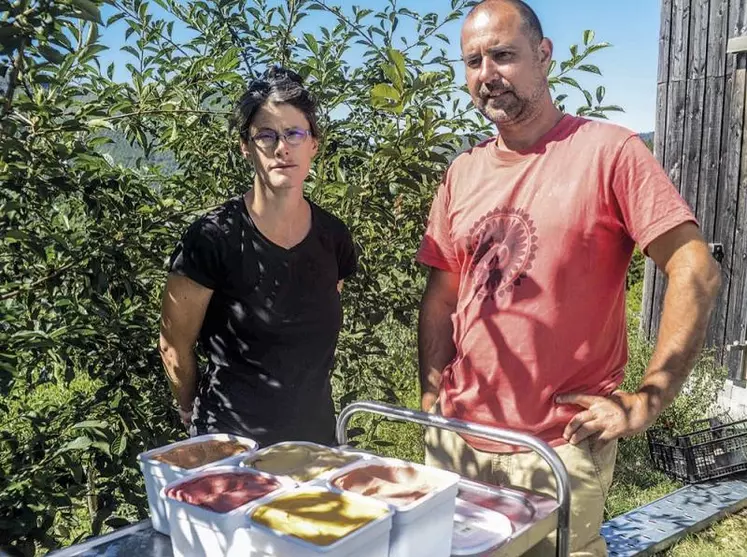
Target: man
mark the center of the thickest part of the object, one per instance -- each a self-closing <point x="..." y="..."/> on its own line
<point x="522" y="323"/>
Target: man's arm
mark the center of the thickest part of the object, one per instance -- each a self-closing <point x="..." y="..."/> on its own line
<point x="694" y="280"/>
<point x="435" y="332"/>
<point x="182" y="312"/>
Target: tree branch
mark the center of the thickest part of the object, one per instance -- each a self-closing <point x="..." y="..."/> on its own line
<point x="163" y="36"/>
<point x="286" y="35"/>
<point x="238" y="42"/>
<point x="125" y="11"/>
<point x="338" y="13"/>
<point x="161" y="111"/>
<point x="142" y="113"/>
<point x="38" y="282"/>
<point x="13" y="80"/>
<point x="27" y="88"/>
<point x="435" y="29"/>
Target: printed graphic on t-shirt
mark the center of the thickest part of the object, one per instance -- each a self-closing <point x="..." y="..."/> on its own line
<point x="502" y="246"/>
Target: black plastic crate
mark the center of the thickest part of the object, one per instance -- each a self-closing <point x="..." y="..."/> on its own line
<point x="719" y="450"/>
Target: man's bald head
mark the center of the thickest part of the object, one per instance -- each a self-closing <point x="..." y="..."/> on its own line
<point x="506" y="60"/>
<point x="530" y="22"/>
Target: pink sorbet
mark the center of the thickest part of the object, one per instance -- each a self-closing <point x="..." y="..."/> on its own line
<point x="398" y="485"/>
<point x="223" y="492"/>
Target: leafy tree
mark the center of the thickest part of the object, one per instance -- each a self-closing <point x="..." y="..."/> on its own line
<point x="84" y="238"/>
<point x="593" y="106"/>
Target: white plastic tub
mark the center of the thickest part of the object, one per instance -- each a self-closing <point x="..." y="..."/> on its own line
<point x="158" y="474"/>
<point x="477" y="530"/>
<point x="424" y="527"/>
<point x="291" y="472"/>
<point x="201" y="532"/>
<point x="370" y="540"/>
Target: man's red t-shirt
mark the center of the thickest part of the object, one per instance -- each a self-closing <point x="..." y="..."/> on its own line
<point x="542" y="241"/>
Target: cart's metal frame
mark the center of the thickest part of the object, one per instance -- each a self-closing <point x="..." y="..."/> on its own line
<point x="491" y="433"/>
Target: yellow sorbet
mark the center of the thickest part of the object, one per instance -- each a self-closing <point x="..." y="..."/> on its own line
<point x="300" y="462"/>
<point x="318" y="517"/>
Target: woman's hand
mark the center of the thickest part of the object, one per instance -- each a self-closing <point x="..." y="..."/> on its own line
<point x="185" y="415"/>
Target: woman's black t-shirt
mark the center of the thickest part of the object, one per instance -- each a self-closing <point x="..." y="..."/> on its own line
<point x="271" y="327"/>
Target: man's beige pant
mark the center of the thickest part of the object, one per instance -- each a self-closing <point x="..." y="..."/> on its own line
<point x="590" y="469"/>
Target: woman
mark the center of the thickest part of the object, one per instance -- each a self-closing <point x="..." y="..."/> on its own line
<point x="258" y="282"/>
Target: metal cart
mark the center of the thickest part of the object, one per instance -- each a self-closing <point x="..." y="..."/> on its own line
<point x="533" y="516"/>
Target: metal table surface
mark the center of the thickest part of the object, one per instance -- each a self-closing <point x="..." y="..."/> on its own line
<point x="643" y="531"/>
<point x="138" y="540"/>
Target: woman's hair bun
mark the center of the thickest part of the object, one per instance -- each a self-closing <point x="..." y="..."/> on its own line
<point x="278" y="73"/>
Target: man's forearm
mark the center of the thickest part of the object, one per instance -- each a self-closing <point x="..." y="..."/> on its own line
<point x="688" y="303"/>
<point x="435" y="347"/>
<point x="181" y="371"/>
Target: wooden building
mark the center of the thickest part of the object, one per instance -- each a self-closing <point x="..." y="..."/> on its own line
<point x="701" y="139"/>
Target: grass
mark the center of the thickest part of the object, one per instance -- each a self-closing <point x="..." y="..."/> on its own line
<point x="727" y="538"/>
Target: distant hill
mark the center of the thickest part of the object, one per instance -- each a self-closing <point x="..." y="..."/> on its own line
<point x="647" y="137"/>
<point x="121" y="152"/>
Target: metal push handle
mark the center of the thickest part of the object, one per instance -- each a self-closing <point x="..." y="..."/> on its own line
<point x="477" y="430"/>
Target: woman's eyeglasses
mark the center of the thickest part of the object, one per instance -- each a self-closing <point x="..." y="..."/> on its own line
<point x="268" y="139"/>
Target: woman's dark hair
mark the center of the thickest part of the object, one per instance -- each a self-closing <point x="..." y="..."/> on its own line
<point x="277" y="85"/>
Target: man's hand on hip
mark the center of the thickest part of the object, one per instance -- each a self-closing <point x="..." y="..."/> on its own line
<point x="606" y="418"/>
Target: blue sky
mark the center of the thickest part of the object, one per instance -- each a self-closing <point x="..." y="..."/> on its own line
<point x="629" y="68"/>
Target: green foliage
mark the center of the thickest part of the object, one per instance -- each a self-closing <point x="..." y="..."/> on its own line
<point x="84" y="237"/>
<point x="399" y="365"/>
<point x="636" y="270"/>
<point x="594" y="104"/>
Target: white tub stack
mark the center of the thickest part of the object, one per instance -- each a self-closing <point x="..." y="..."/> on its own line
<point x="197" y="531"/>
<point x="420" y="525"/>
<point x="421" y="528"/>
<point x="158" y="474"/>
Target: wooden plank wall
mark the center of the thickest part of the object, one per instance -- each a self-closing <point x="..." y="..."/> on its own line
<point x="713" y="125"/>
<point x="701" y="141"/>
<point x="662" y="82"/>
<point x="735" y="189"/>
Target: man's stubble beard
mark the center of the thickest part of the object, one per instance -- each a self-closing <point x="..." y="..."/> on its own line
<point x="517" y="112"/>
<point x="505" y="112"/>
